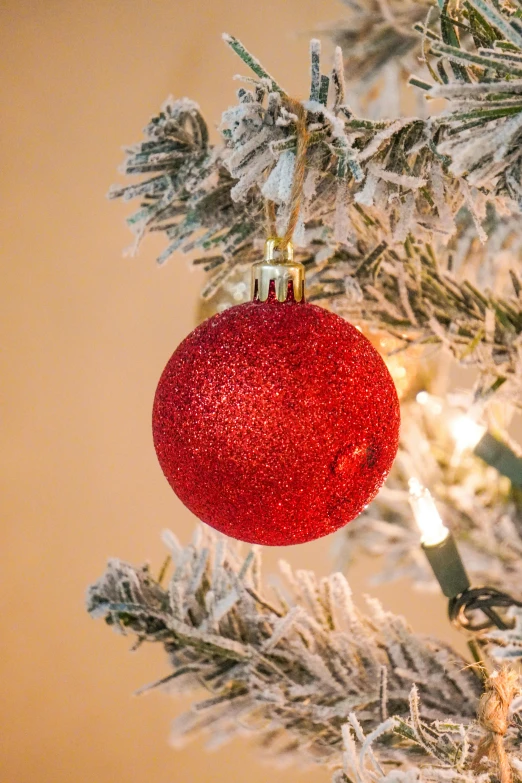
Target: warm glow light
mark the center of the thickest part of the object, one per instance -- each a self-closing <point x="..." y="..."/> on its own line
<point x="428" y="401"/>
<point x="465" y="432"/>
<point x="464" y="429"/>
<point x="433" y="529"/>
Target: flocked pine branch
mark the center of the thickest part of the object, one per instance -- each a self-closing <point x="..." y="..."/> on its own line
<point x="291" y="666"/>
<point x="507" y="645"/>
<point x="407" y="294"/>
<point x="392" y="208"/>
<point x="381" y="49"/>
<point x="447" y="745"/>
<point x="456" y="753"/>
<point x="304" y="671"/>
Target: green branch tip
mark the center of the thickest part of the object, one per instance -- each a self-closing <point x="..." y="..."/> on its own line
<point x="252" y="62"/>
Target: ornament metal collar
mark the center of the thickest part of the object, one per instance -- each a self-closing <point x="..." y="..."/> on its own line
<point x="279" y="268"/>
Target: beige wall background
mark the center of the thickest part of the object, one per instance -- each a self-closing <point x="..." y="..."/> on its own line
<point x="85" y="335"/>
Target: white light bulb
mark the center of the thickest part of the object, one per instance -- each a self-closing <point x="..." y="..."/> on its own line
<point x="465" y="432"/>
<point x="432" y="528"/>
<point x="428" y="401"/>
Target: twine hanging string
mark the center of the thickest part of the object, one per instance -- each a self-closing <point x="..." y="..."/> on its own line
<point x="296" y="193"/>
<point x="270" y="212"/>
<point x="493" y="716"/>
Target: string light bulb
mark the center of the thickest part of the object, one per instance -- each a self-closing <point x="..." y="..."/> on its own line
<point x="430" y="402"/>
<point x="471" y="437"/>
<point x="432" y="528"/>
<point x="466" y="432"/>
<point x="437" y="542"/>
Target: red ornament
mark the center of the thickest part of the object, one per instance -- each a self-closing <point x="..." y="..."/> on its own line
<point x="276" y="422"/>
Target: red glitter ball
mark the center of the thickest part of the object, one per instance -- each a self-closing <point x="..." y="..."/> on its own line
<point x="276" y="422"/>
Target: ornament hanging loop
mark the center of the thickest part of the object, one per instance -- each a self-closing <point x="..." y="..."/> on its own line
<point x="278" y="276"/>
<point x="296" y="195"/>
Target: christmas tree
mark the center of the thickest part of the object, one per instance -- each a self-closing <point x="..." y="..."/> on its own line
<point x="410" y="228"/>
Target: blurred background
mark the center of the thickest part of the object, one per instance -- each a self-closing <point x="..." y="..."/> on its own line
<point x="85" y="335"/>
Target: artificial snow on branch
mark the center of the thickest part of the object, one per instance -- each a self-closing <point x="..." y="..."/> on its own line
<point x="381" y="49"/>
<point x="298" y="662"/>
<point x="406" y="293"/>
<point x="303" y="670"/>
<point x="507" y="645"/>
<point x="402" y="221"/>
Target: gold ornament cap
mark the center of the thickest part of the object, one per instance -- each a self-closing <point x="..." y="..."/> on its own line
<point x="287" y="275"/>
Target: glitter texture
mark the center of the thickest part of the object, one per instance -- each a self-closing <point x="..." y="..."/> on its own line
<point x="276" y="423"/>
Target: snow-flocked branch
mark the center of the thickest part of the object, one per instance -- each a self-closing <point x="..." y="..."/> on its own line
<point x="402" y="221"/>
<point x="302" y="669"/>
<point x="291" y="666"/>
